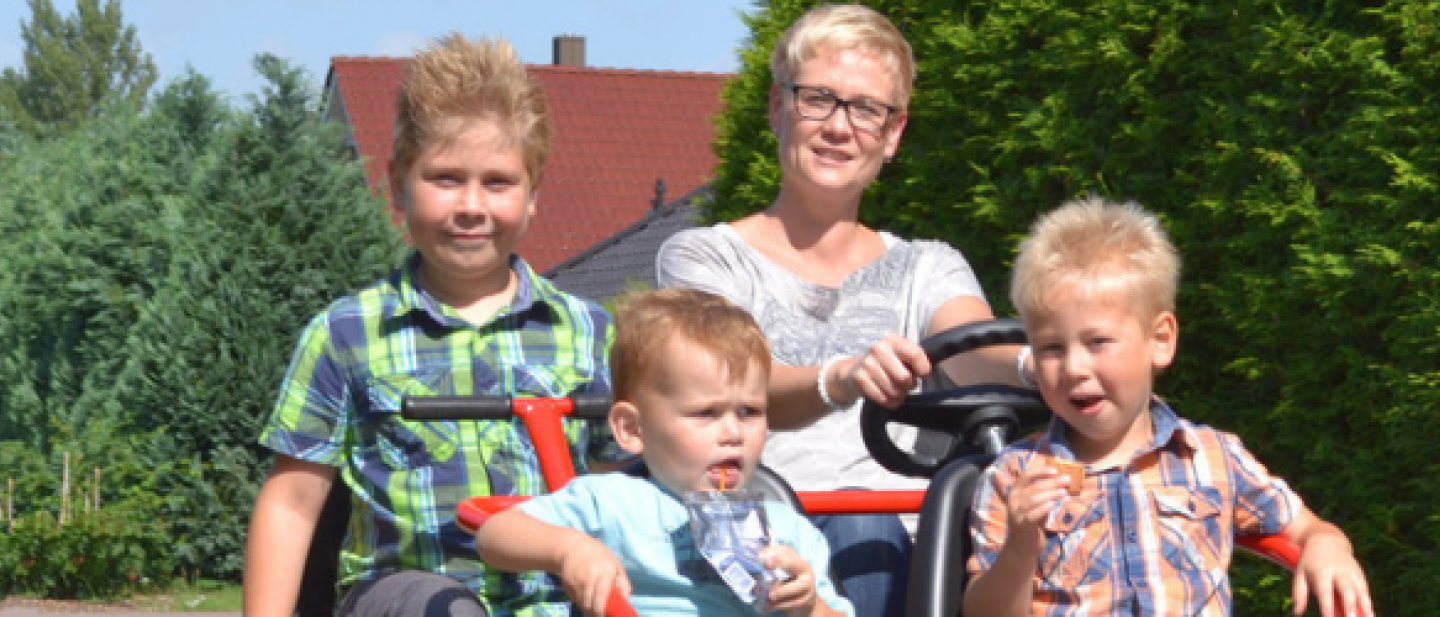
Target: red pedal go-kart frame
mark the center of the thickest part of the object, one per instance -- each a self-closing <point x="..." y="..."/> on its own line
<point x="982" y="420"/>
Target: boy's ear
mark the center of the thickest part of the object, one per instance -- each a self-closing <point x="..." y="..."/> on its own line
<point x="625" y="424"/>
<point x="1164" y="337"/>
<point x="399" y="198"/>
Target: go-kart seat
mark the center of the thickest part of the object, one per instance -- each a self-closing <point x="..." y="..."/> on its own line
<point x="322" y="562"/>
<point x="942" y="540"/>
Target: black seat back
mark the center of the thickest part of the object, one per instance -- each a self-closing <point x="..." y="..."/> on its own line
<point x="942" y="541"/>
<point x="322" y="564"/>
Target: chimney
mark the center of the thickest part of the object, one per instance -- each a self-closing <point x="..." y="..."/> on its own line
<point x="659" y="201"/>
<point x="569" y="50"/>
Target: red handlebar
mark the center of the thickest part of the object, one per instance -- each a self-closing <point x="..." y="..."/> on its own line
<point x="861" y="502"/>
<point x="1276" y="548"/>
<point x="542" y="418"/>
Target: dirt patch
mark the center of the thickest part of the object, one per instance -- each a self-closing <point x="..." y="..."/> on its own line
<point x="149" y="603"/>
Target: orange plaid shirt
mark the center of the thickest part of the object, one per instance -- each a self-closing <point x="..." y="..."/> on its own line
<point x="1153" y="537"/>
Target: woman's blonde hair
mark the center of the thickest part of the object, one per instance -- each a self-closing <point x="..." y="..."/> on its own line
<point x="836" y="27"/>
<point x="1108" y="250"/>
<point x="456" y="80"/>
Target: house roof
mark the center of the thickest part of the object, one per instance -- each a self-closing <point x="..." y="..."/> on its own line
<point x="617" y="132"/>
<point x="627" y="258"/>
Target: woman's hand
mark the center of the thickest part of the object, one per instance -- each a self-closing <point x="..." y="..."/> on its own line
<point x="885" y="373"/>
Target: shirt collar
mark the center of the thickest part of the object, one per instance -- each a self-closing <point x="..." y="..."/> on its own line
<point x="1169" y="429"/>
<point x="406" y="295"/>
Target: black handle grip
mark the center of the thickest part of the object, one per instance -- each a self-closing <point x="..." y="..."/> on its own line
<point x="477" y="407"/>
<point x="493" y="407"/>
<point x="591" y="406"/>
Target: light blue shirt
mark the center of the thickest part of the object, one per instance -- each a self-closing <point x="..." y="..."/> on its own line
<point x="648" y="528"/>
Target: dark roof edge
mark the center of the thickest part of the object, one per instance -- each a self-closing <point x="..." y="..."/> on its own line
<point x="634" y="228"/>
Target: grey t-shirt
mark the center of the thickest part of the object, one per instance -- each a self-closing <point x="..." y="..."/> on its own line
<point x="808" y="323"/>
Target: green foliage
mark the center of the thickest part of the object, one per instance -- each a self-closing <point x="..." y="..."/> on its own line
<point x="159" y="266"/>
<point x="96" y="556"/>
<point x="1291" y="148"/>
<point x="101" y="549"/>
<point x="75" y="67"/>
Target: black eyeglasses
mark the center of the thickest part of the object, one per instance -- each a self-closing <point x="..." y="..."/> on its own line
<point x="817" y="103"/>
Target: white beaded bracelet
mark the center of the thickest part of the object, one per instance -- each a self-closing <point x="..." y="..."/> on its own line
<point x="820" y="382"/>
<point x="1020" y="359"/>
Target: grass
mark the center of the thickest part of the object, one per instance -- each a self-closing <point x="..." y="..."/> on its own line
<point x="201" y="595"/>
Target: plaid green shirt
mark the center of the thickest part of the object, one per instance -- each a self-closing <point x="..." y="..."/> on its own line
<point x="340" y="405"/>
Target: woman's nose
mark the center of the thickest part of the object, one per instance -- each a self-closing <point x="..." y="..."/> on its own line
<point x="839" y="120"/>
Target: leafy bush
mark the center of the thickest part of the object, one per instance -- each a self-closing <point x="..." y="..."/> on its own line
<point x="96" y="556"/>
<point x="1293" y="152"/>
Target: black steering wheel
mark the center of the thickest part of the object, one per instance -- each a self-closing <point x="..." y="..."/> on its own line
<point x="971" y="414"/>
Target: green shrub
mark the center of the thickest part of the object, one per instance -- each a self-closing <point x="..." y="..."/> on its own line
<point x="95" y="556"/>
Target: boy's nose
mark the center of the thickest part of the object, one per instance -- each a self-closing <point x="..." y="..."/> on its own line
<point x="1075" y="363"/>
<point x="730" y="428"/>
<point x="472" y="200"/>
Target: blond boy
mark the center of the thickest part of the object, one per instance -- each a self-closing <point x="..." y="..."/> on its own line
<point x="464" y="315"/>
<point x="1151" y="530"/>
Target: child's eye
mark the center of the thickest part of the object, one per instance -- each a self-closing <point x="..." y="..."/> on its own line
<point x="445" y="179"/>
<point x="499" y="182"/>
<point x="752" y="412"/>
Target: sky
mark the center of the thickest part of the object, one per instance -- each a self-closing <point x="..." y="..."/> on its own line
<point x="219" y="38"/>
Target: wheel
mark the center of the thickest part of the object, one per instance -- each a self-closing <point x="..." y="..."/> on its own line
<point x="967" y="413"/>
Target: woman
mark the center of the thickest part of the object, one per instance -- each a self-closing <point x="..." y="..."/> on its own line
<point x="842" y="304"/>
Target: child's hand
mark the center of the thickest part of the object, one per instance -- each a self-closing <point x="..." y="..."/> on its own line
<point x="1328" y="568"/>
<point x="1037" y="492"/>
<point x="795" y="597"/>
<point x="590" y="571"/>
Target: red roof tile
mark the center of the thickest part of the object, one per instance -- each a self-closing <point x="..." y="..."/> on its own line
<point x="617" y="131"/>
